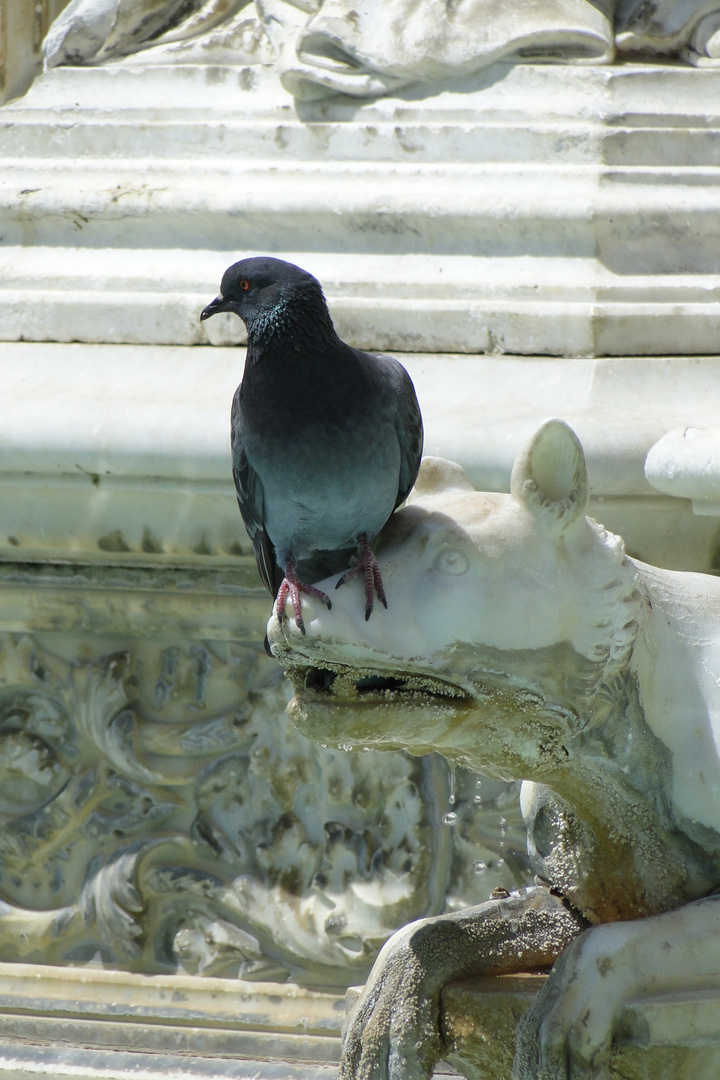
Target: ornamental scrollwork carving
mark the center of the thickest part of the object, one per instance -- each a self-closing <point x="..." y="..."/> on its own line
<point x="160" y="813"/>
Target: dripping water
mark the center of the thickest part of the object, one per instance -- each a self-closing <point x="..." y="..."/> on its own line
<point x="450" y="818"/>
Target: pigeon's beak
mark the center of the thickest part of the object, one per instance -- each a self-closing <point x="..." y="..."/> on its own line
<point x="216" y="305"/>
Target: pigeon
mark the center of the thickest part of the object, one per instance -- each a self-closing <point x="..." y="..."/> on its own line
<point x="326" y="440"/>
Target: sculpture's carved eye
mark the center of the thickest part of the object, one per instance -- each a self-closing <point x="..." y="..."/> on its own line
<point x="451" y="561"/>
<point x="244" y="284"/>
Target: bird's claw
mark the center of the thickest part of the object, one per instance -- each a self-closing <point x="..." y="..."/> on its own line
<point x="366" y="564"/>
<point x="292" y="587"/>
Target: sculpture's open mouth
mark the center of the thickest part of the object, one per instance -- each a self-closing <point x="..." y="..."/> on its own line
<point x="344" y="685"/>
<point x="362" y="707"/>
<point x="351" y="707"/>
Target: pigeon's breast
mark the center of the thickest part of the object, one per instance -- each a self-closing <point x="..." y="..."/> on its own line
<point x="326" y="486"/>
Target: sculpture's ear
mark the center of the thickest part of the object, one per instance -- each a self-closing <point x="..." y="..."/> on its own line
<point x="550" y="475"/>
<point x="437" y="475"/>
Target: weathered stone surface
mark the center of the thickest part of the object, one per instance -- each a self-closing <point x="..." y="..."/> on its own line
<point x="80" y="1023"/>
<point x="676" y="1037"/>
<point x="159" y="813"/>
<point x="524" y="211"/>
<point x="23" y="26"/>
<point x="479" y="1018"/>
<point x="686" y="463"/>
<point x="331" y="46"/>
<point x="523" y="641"/>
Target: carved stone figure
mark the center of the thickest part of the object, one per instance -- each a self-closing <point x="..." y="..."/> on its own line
<point x="523" y="642"/>
<point x="336" y="46"/>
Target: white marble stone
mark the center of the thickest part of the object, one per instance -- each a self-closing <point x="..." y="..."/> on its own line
<point x="331" y="46"/>
<point x="521" y="640"/>
<point x="120" y="454"/>
<point x="525" y="210"/>
<point x="686" y="463"/>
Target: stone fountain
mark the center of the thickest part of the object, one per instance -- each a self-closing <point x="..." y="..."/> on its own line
<point x="530" y="216"/>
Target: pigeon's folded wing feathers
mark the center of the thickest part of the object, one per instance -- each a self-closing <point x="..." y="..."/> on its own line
<point x="408" y="424"/>
<point x="251" y="500"/>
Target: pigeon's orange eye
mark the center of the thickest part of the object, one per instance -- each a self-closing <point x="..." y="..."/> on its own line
<point x="244" y="284"/>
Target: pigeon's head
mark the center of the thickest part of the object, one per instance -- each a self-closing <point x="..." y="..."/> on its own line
<point x="270" y="296"/>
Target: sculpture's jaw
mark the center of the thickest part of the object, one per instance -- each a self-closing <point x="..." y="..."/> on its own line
<point x="474" y="705"/>
<point x="356" y="707"/>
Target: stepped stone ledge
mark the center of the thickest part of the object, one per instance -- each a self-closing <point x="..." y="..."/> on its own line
<point x="537" y="209"/>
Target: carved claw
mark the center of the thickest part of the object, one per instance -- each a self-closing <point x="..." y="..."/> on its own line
<point x="292" y="586"/>
<point x="366" y="564"/>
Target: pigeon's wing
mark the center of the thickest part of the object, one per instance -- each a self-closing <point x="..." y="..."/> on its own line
<point x="408" y="424"/>
<point x="251" y="500"/>
<point x="409" y="427"/>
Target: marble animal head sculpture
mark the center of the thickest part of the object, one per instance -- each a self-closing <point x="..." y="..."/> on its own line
<point x="522" y="642"/>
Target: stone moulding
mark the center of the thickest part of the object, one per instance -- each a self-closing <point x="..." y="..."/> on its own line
<point x="533" y="209"/>
<point x="112" y="1024"/>
<point x="85" y="1022"/>
<point x="95" y="470"/>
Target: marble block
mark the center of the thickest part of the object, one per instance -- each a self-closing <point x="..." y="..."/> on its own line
<point x="109" y="1025"/>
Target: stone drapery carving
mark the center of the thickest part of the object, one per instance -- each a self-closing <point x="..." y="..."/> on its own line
<point x="337" y="46"/>
<point x="159" y="813"/>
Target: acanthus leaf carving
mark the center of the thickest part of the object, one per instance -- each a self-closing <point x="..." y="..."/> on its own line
<point x="167" y="816"/>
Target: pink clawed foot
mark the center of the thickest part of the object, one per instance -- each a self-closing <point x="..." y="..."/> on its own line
<point x="291" y="586"/>
<point x="366" y="564"/>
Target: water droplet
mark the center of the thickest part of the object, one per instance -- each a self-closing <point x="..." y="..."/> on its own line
<point x="452" y="795"/>
<point x="479" y="866"/>
<point x="499" y="862"/>
<point x="449" y="819"/>
<point x="346" y="746"/>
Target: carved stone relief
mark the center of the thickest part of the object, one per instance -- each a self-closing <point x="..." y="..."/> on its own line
<point x="159" y="812"/>
<point x="337" y="46"/>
